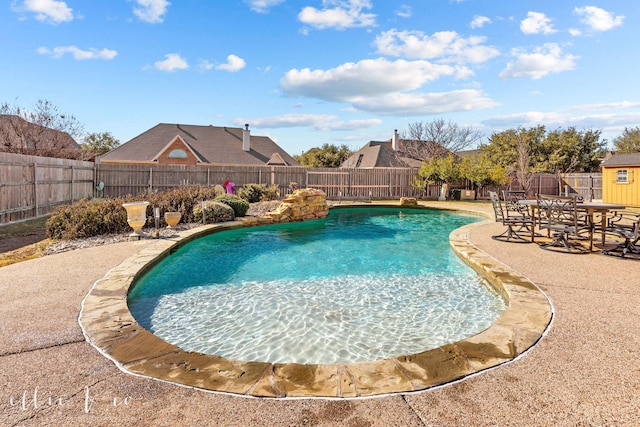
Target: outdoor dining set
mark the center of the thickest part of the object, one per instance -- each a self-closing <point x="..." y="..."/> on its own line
<point x="567" y="223"/>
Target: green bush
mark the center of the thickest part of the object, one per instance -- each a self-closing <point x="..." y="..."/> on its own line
<point x="240" y="206"/>
<point x="214" y="212"/>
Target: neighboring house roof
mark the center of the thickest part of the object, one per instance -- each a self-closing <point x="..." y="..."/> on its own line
<point x="631" y="159"/>
<point x="468" y="153"/>
<point x="201" y="144"/>
<point x="380" y="154"/>
<point x="20" y="136"/>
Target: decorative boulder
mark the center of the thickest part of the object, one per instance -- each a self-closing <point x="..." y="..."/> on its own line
<point x="408" y="201"/>
<point x="302" y="204"/>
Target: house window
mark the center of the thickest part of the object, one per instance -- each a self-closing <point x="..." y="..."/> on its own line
<point x="623" y="176"/>
<point x="178" y="154"/>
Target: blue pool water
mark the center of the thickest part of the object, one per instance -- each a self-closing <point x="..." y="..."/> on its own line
<point x="363" y="284"/>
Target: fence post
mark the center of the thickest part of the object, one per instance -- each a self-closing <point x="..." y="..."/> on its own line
<point x="150" y="181"/>
<point x="72" y="182"/>
<point x="35" y="189"/>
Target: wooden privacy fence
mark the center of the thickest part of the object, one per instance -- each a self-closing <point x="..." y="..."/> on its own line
<point x="32" y="187"/>
<point x="588" y="185"/>
<point x="381" y="183"/>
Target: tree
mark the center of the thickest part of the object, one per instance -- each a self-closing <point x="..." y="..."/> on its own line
<point x="515" y="150"/>
<point x="42" y="131"/>
<point x="628" y="142"/>
<point x="569" y="150"/>
<point x="481" y="172"/>
<point x="97" y="144"/>
<point x="437" y="138"/>
<point x="327" y="156"/>
<point x="441" y="169"/>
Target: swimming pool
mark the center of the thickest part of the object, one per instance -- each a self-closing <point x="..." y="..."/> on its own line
<point x="360" y="285"/>
<point x="108" y="325"/>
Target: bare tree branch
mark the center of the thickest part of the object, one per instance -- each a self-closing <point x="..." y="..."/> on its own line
<point x="43" y="131"/>
<point x="438" y="138"/>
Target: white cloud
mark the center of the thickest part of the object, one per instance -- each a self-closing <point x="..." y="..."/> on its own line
<point x="77" y="53"/>
<point x="205" y="65"/>
<point x="575" y="32"/>
<point x="51" y="11"/>
<point x="320" y="122"/>
<point x="536" y="23"/>
<point x="610" y="118"/>
<point x="172" y="62"/>
<point x="262" y="6"/>
<point x="598" y="19"/>
<point x="404" y="11"/>
<point x="544" y="60"/>
<point x="449" y="46"/>
<point x="479" y="21"/>
<point x="338" y="14"/>
<point x="370" y="77"/>
<point x="384" y="87"/>
<point x="416" y="104"/>
<point x="234" y="63"/>
<point x="608" y="106"/>
<point x="151" y="11"/>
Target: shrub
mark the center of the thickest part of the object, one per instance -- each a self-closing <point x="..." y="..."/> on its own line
<point x="251" y="192"/>
<point x="240" y="206"/>
<point x="87" y="218"/>
<point x="254" y="193"/>
<point x="214" y="212"/>
<point x="271" y="193"/>
<point x="182" y="199"/>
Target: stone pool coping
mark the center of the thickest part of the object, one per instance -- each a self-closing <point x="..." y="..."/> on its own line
<point x="108" y="325"/>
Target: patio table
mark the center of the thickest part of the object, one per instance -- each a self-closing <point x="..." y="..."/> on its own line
<point x="589" y="207"/>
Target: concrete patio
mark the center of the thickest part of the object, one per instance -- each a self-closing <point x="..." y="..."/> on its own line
<point x="585" y="371"/>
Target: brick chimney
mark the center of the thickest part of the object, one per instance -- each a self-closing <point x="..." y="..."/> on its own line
<point x="246" y="138"/>
<point x="395" y="141"/>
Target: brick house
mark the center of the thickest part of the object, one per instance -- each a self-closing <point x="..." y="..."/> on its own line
<point x="177" y="144"/>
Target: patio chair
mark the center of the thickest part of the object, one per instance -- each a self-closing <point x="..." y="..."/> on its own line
<point x="559" y="215"/>
<point x="627" y="227"/>
<point x="511" y="203"/>
<point x="515" y="224"/>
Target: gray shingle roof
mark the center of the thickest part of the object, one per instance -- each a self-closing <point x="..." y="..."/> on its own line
<point x="380" y="154"/>
<point x="212" y="144"/>
<point x="631" y="159"/>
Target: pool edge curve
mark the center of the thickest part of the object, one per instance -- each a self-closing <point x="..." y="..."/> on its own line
<point x="108" y="325"/>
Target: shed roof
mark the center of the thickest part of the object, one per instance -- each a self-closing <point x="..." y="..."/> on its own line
<point x="628" y="159"/>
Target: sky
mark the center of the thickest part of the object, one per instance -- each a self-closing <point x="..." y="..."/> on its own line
<point x="314" y="72"/>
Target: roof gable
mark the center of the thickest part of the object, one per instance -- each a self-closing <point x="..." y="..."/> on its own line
<point x="175" y="144"/>
<point x="277" y="160"/>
